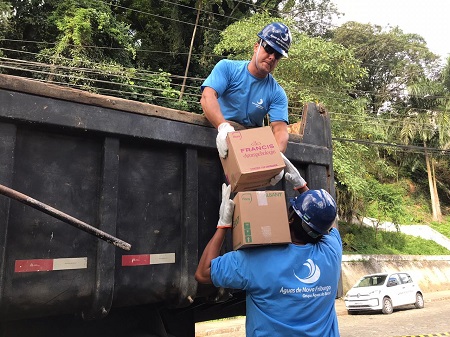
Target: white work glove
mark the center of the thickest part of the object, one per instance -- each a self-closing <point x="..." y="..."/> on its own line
<point x="221" y="140"/>
<point x="292" y="175"/>
<point x="226" y="208"/>
<point x="277" y="178"/>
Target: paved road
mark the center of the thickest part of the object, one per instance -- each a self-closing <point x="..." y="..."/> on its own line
<point x="433" y="320"/>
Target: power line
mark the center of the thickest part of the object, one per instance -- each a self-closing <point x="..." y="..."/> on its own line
<point x="17" y="64"/>
<point x="405" y="148"/>
<point x="316" y="89"/>
<point x="201" y="10"/>
<point x="158" y="16"/>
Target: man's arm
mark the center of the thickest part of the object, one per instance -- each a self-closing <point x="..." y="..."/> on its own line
<point x="212" y="250"/>
<point x="280" y="131"/>
<point x="293" y="176"/>
<point x="211" y="107"/>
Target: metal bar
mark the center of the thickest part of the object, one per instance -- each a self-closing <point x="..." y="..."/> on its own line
<point x="63" y="217"/>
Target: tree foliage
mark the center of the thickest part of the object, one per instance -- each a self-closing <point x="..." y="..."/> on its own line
<point x="392" y="58"/>
<point x="401" y="86"/>
<point x="380" y="85"/>
<point x="310" y="17"/>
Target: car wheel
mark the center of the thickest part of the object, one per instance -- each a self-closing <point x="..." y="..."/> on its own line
<point x="419" y="301"/>
<point x="387" y="306"/>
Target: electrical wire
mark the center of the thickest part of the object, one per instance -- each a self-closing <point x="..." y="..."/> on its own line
<point x="31" y="66"/>
<point x="405" y="148"/>
<point x="325" y="93"/>
<point x="359" y="92"/>
<point x="157" y="15"/>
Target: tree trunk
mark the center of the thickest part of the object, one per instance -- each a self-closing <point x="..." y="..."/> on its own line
<point x="436" y="196"/>
<point x="431" y="185"/>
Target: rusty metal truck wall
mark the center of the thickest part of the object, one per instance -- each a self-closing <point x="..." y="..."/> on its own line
<point x="150" y="177"/>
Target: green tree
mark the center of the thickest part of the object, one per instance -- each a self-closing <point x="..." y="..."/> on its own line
<point x="392" y="58"/>
<point x="85" y="26"/>
<point x="445" y="77"/>
<point x="399" y="68"/>
<point x="311" y="17"/>
<point x="427" y="122"/>
<point x="385" y="203"/>
<point x="5" y="19"/>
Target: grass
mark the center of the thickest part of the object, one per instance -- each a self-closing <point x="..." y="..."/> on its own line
<point x="365" y="240"/>
<point x="443" y="227"/>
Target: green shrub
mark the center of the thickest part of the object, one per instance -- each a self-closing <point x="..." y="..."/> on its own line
<point x="358" y="239"/>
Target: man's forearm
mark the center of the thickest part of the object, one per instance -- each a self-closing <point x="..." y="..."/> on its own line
<point x="211" y="107"/>
<point x="281" y="134"/>
<point x="212" y="250"/>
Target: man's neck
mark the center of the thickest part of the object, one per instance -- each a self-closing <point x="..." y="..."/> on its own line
<point x="297" y="242"/>
<point x="252" y="69"/>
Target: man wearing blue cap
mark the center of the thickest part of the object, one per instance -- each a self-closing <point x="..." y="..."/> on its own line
<point x="290" y="289"/>
<point x="245" y="91"/>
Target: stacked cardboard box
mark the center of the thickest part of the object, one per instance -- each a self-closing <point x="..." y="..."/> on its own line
<point x="260" y="217"/>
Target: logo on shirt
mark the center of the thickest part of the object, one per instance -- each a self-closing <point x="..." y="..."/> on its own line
<point x="314" y="272"/>
<point x="259" y="104"/>
<point x="307" y="291"/>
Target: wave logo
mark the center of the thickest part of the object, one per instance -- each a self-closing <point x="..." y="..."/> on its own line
<point x="285" y="37"/>
<point x="314" y="272"/>
<point x="259" y="104"/>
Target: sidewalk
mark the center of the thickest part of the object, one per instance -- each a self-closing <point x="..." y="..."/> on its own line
<point x="235" y="327"/>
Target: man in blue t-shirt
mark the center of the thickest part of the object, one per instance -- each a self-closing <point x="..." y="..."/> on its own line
<point x="290" y="289"/>
<point x="245" y="91"/>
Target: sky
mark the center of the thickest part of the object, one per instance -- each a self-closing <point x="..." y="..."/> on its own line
<point x="429" y="19"/>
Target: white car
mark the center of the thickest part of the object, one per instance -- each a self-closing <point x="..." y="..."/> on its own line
<point x="384" y="291"/>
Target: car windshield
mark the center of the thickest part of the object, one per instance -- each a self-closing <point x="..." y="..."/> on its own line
<point x="370" y="281"/>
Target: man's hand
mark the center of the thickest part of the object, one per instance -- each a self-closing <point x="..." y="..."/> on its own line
<point x="292" y="175"/>
<point x="221" y="140"/>
<point x="226" y="208"/>
<point x="212" y="249"/>
<point x="277" y="178"/>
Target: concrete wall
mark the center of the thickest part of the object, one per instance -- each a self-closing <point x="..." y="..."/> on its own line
<point x="431" y="272"/>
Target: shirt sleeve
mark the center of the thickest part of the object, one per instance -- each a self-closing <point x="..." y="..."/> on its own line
<point x="278" y="110"/>
<point x="334" y="241"/>
<point x="218" y="78"/>
<point x="227" y="271"/>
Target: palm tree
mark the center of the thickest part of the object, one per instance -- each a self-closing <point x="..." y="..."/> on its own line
<point x="427" y="121"/>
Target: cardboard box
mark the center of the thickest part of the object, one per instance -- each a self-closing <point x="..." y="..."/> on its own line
<point x="260" y="218"/>
<point x="253" y="159"/>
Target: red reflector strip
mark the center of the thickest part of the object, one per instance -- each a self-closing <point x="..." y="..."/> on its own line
<point x="36" y="265"/>
<point x="146" y="259"/>
<point x="135" y="260"/>
<point x="25" y="266"/>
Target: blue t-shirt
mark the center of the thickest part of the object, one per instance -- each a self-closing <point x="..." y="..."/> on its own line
<point x="290" y="289"/>
<point x="244" y="98"/>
